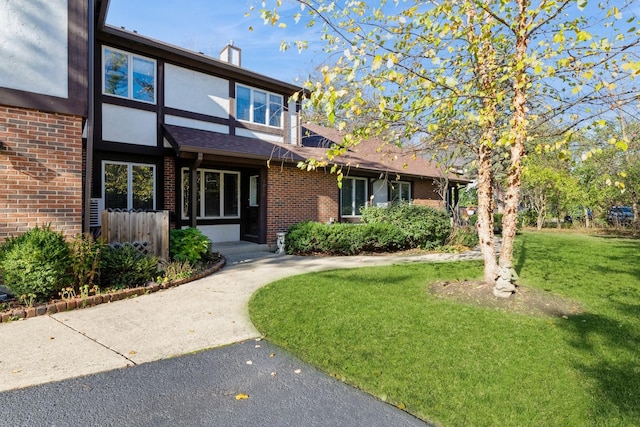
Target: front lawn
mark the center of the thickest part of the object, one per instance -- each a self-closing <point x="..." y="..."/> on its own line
<point x="456" y="364"/>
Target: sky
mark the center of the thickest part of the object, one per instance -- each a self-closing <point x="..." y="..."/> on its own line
<point x="208" y="25"/>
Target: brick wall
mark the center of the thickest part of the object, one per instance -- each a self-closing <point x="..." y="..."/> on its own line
<point x="40" y="171"/>
<point x="294" y="195"/>
<point x="169" y="184"/>
<point x="424" y="193"/>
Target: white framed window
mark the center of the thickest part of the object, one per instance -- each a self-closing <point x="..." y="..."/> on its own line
<point x="126" y="75"/>
<point x="400" y="191"/>
<point x="128" y="185"/>
<point x="353" y="196"/>
<point x="254" y="195"/>
<point x="218" y="194"/>
<point x="259" y="106"/>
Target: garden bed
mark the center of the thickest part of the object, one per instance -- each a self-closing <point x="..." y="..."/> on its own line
<point x="17" y="311"/>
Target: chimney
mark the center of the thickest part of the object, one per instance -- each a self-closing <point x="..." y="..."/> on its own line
<point x="231" y="54"/>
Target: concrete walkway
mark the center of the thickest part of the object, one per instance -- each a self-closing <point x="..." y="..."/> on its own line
<point x="203" y="314"/>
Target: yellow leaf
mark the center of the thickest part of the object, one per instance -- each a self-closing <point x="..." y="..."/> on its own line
<point x="401" y="406"/>
<point x="242" y="396"/>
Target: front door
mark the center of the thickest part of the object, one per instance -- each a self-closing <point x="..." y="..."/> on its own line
<point x="250" y="226"/>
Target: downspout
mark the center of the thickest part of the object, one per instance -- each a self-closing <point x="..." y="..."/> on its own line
<point x="193" y="217"/>
<point x="86" y="223"/>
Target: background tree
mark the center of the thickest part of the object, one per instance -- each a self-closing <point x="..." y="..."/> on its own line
<point x="497" y="68"/>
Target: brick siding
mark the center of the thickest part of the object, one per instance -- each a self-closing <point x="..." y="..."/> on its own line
<point x="40" y="171"/>
<point x="294" y="195"/>
<point x="170" y="184"/>
<point x="424" y="193"/>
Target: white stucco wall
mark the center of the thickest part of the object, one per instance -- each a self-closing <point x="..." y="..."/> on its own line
<point x="34" y="46"/>
<point x="259" y="135"/>
<point x="221" y="233"/>
<point x="195" y="124"/>
<point x="196" y="92"/>
<point x="293" y="117"/>
<point x="128" y="125"/>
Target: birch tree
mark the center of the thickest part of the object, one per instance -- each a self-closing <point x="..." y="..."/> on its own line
<point x="499" y="69"/>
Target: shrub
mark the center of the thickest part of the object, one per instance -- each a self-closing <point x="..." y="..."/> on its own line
<point x="175" y="270"/>
<point x="189" y="244"/>
<point x="125" y="266"/>
<point x="85" y="253"/>
<point x="463" y="236"/>
<point x="423" y="226"/>
<point x="343" y="239"/>
<point x="37" y="262"/>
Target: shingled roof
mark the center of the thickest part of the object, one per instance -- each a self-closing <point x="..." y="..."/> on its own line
<point x="373" y="156"/>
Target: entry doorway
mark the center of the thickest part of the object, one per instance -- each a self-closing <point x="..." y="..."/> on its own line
<point x="251" y="194"/>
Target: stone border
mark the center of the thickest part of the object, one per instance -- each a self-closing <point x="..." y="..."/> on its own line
<point x="90" y="301"/>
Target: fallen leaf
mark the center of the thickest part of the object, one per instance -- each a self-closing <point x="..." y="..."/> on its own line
<point x="16" y="371"/>
<point x="242" y="396"/>
<point x="297" y="371"/>
<point x="401" y="406"/>
<point x="272" y="355"/>
<point x="132" y="352"/>
<point x="273" y="374"/>
<point x="249" y="362"/>
<point x="257" y="346"/>
<point x="52" y="338"/>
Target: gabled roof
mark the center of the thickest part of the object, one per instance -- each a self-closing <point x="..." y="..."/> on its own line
<point x="371" y="156"/>
<point x="374" y="155"/>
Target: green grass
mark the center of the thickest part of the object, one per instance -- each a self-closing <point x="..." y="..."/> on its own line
<point x="453" y="364"/>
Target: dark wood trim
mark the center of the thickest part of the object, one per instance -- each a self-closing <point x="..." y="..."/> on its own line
<point x="132" y="149"/>
<point x="195" y="116"/>
<point x="262" y="232"/>
<point x="160" y="110"/>
<point x="232" y="107"/>
<point x="125" y="102"/>
<point x="133" y="42"/>
<point x="76" y="101"/>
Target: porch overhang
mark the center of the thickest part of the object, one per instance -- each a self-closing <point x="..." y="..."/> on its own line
<point x="188" y="140"/>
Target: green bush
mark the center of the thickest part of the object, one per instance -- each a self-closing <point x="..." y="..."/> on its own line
<point x="423" y="226"/>
<point x="126" y="267"/>
<point x="37" y="263"/>
<point x="189" y="244"/>
<point x="85" y="253"/>
<point x="343" y="239"/>
<point x="463" y="236"/>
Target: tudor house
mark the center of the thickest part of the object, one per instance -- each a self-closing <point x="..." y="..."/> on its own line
<point x="170" y="129"/>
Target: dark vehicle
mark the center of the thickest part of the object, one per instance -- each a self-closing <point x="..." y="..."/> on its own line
<point x="579" y="215"/>
<point x="620" y="215"/>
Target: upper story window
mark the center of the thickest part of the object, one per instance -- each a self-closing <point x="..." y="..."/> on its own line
<point x="128" y="76"/>
<point x="259" y="106"/>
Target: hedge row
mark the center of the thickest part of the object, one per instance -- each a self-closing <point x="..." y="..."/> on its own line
<point x="384" y="229"/>
<point x="309" y="237"/>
